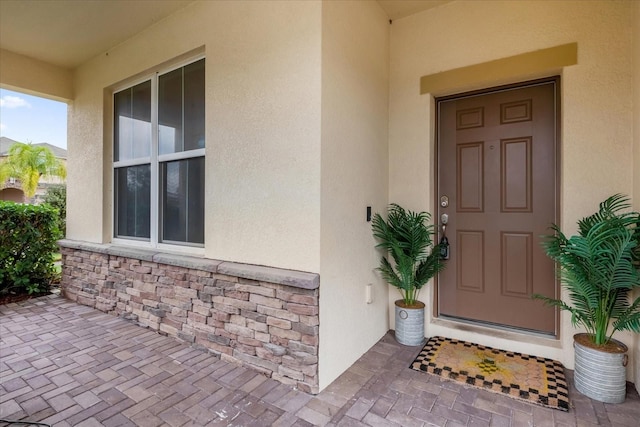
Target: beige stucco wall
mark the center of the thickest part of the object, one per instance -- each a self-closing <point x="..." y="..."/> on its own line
<point x="636" y="152"/>
<point x="355" y="87"/>
<point x="262" y="128"/>
<point x="19" y="72"/>
<point x="271" y="188"/>
<point x="597" y="121"/>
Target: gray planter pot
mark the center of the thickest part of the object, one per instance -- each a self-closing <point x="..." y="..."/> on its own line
<point x="409" y="324"/>
<point x="600" y="374"/>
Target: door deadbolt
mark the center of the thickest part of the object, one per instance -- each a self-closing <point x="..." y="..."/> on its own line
<point x="444" y="201"/>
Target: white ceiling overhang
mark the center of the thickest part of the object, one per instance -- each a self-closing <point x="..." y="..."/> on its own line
<point x="67" y="33"/>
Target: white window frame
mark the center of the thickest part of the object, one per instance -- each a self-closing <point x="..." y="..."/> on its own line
<point x="154" y="160"/>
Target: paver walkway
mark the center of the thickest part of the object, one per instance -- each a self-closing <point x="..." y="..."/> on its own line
<point x="69" y="365"/>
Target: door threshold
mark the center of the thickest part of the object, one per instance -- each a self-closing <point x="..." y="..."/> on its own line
<point x="498" y="331"/>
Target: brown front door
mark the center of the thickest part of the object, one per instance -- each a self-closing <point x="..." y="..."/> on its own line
<point x="497" y="183"/>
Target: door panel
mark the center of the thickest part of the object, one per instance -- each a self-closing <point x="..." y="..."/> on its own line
<point x="497" y="166"/>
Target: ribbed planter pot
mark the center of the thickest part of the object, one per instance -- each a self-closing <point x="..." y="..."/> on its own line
<point x="600" y="371"/>
<point x="410" y="323"/>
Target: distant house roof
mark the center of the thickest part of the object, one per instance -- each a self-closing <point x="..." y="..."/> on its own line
<point x="6" y="143"/>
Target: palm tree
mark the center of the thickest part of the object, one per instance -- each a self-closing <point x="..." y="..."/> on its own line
<point x="600" y="267"/>
<point x="409" y="241"/>
<point x="29" y="163"/>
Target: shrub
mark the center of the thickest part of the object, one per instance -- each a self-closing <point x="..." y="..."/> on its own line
<point x="56" y="196"/>
<point x="28" y="235"/>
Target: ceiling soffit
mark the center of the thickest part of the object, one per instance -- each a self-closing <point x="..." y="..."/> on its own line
<point x="67" y="33"/>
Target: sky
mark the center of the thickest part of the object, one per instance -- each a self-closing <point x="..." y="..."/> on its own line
<point x="26" y="118"/>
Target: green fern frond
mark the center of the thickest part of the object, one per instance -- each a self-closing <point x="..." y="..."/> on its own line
<point x="599" y="268"/>
<point x="408" y="239"/>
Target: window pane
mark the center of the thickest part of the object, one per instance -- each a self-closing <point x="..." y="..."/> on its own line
<point x="133" y="190"/>
<point x="181" y="109"/>
<point x="170" y="112"/>
<point x="194" y="106"/>
<point x="132" y="133"/>
<point x="182" y="203"/>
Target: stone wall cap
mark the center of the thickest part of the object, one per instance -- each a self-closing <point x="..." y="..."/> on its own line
<point x="131" y="252"/>
<point x="294" y="278"/>
<point x="204" y="264"/>
<point x="88" y="246"/>
<point x="297" y="279"/>
<point x="142" y="254"/>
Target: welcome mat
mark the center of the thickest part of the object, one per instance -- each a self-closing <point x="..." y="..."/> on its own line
<point x="528" y="378"/>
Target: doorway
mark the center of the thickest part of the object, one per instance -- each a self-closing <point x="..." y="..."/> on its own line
<point x="497" y="191"/>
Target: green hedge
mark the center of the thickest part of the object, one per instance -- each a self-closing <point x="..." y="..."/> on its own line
<point x="56" y="197"/>
<point x="28" y="235"/>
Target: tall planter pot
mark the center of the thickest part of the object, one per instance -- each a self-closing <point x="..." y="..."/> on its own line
<point x="409" y="323"/>
<point x="600" y="373"/>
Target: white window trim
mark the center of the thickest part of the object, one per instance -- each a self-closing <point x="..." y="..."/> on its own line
<point x="132" y="162"/>
<point x="181" y="155"/>
<point x="154" y="160"/>
<point x="160" y="247"/>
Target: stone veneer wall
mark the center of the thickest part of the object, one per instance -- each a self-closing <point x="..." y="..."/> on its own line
<point x="261" y="317"/>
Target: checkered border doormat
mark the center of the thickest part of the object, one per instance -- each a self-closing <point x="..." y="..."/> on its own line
<point x="554" y="395"/>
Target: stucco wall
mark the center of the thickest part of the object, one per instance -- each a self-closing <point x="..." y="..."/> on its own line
<point x="262" y="128"/>
<point x="597" y="121"/>
<point x="38" y="78"/>
<point x="355" y="55"/>
<point x="636" y="152"/>
<point x="268" y="73"/>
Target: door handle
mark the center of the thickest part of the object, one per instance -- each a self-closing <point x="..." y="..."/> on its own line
<point x="444" y="247"/>
<point x="444" y="242"/>
<point x="444" y="220"/>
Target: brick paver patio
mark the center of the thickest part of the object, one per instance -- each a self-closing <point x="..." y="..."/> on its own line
<point x="65" y="364"/>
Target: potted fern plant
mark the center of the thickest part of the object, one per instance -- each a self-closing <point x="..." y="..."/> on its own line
<point x="408" y="240"/>
<point x="599" y="267"/>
